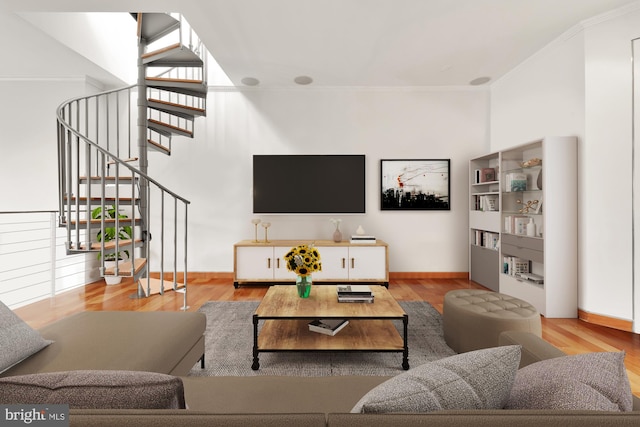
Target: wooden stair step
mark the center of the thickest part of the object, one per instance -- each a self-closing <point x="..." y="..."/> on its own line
<point x="171" y="80"/>
<point x="155" y="285"/>
<point x="195" y="110"/>
<point x="95" y="223"/>
<point x="159" y="147"/>
<point x="107" y="200"/>
<point x="177" y="129"/>
<point x="160" y="51"/>
<point x="96" y="246"/>
<point x="125" y="268"/>
<point x="153" y="26"/>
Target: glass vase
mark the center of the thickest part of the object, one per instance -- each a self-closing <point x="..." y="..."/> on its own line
<point x="303" y="284"/>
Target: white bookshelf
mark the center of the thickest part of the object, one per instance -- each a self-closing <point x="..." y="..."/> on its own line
<point x="540" y="268"/>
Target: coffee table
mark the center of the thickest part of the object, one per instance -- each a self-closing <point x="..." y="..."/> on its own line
<point x="285" y="318"/>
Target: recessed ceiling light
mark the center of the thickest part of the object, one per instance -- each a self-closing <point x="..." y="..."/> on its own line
<point x="303" y="80"/>
<point x="480" y="81"/>
<point x="250" y="81"/>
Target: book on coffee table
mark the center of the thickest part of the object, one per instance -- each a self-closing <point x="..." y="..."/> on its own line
<point x="357" y="290"/>
<point x="355" y="298"/>
<point x="327" y="326"/>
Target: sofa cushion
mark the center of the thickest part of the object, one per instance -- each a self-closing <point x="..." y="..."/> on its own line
<point x="17" y="339"/>
<point x="480" y="379"/>
<point x="95" y="390"/>
<point x="593" y="381"/>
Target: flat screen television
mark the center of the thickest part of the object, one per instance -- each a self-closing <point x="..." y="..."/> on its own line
<point x="309" y="184"/>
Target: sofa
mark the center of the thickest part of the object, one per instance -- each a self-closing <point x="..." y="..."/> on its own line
<point x="253" y="400"/>
<point x="162" y="342"/>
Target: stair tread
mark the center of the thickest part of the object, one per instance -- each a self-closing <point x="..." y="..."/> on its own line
<point x="106" y="199"/>
<point x="106" y="221"/>
<point x="172" y="127"/>
<point x="159" y="147"/>
<point x="152" y="26"/>
<point x="162" y="50"/>
<point x="173" y="104"/>
<point x="96" y="246"/>
<point x="171" y="80"/>
<point x="125" y="268"/>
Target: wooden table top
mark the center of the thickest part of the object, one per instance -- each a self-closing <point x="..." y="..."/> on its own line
<point x="282" y="301"/>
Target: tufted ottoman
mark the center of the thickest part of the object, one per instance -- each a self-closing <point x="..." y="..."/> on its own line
<point x="473" y="319"/>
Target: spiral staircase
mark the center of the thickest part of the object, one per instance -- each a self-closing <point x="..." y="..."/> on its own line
<point x="109" y="204"/>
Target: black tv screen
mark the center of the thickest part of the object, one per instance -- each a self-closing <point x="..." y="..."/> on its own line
<point x="308" y="184"/>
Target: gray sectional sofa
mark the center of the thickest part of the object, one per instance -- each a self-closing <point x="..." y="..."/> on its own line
<point x="255" y="400"/>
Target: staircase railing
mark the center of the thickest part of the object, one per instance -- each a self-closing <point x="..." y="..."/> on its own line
<point x="96" y="141"/>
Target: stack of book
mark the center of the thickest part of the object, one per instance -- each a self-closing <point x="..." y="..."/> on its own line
<point x="354" y="293"/>
<point x="328" y="326"/>
<point x="363" y="240"/>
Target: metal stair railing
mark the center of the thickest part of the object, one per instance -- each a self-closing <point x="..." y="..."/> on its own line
<point x="95" y="134"/>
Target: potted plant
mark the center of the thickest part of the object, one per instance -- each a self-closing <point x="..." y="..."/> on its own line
<point x="111" y="234"/>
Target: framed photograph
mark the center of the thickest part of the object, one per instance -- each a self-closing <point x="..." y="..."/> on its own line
<point x="415" y="184"/>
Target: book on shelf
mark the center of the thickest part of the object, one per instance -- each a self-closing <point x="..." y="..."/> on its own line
<point x="516" y="224"/>
<point x="515" y="181"/>
<point x="531" y="277"/>
<point x="487" y="202"/>
<point x="487" y="239"/>
<point x="356" y="298"/>
<point x="514" y="266"/>
<point x="346" y="290"/>
<point x="487" y="175"/>
<point x="328" y="326"/>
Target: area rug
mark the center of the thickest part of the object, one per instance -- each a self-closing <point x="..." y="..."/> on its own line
<point x="229" y="342"/>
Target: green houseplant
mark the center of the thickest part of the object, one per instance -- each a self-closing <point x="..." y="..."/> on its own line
<point x="110" y="234"/>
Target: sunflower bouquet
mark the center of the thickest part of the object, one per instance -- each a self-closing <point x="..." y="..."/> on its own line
<point x="303" y="260"/>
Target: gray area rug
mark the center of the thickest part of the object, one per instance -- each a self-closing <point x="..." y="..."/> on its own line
<point x="229" y="342"/>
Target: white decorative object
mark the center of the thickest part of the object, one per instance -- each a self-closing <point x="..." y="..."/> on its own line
<point x="531" y="228"/>
<point x="360" y="231"/>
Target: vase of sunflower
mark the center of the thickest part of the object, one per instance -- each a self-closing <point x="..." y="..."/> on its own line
<point x="303" y="260"/>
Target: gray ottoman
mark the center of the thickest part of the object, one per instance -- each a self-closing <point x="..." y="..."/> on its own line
<point x="473" y="319"/>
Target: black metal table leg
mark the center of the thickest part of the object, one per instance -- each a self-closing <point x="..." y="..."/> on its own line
<point x="256" y="364"/>
<point x="405" y="355"/>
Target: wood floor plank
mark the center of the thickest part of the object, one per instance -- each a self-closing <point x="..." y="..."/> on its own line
<point x="572" y="336"/>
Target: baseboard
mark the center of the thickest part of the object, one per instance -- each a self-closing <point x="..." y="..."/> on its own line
<point x="609" y="322"/>
<point x="399" y="275"/>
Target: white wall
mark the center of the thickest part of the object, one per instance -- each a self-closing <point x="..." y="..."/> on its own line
<point x="214" y="170"/>
<point x="580" y="85"/>
<point x="28" y="148"/>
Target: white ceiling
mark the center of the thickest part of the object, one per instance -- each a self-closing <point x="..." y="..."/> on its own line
<point x="364" y="42"/>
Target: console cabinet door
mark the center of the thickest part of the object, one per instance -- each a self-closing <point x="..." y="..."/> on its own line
<point x="367" y="263"/>
<point x="280" y="268"/>
<point x="334" y="263"/>
<point x="254" y="263"/>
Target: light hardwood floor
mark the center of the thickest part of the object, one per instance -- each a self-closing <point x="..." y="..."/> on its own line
<point x="570" y="335"/>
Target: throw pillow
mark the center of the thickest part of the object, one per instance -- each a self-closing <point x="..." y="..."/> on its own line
<point x="478" y="379"/>
<point x="17" y="339"/>
<point x="592" y="381"/>
<point x="95" y="390"/>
